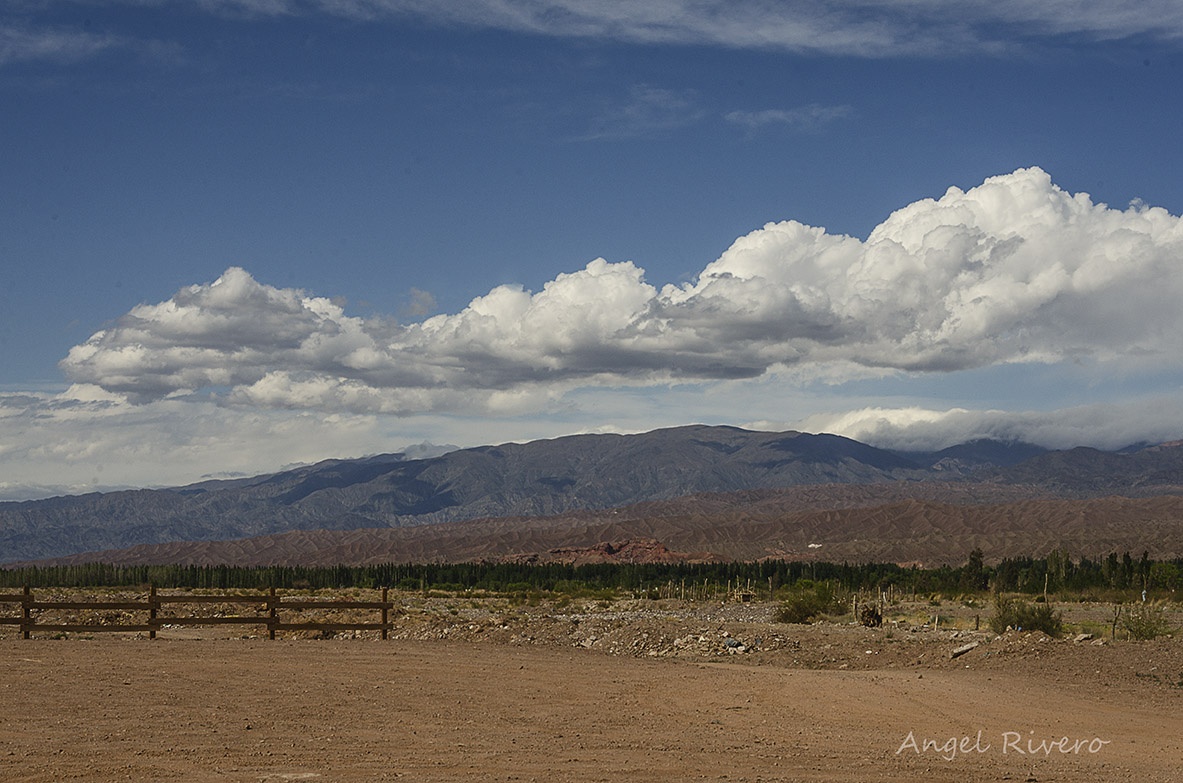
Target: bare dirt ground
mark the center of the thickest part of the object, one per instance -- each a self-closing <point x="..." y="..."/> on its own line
<point x="476" y="689"/>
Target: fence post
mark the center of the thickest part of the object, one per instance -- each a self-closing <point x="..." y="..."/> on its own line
<point x="26" y="615"/>
<point x="272" y="614"/>
<point x="152" y="604"/>
<point x="385" y="614"/>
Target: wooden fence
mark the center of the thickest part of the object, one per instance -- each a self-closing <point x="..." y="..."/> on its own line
<point x="268" y="608"/>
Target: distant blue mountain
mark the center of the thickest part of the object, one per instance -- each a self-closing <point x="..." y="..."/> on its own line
<point x="977" y="453"/>
<point x="546" y="477"/>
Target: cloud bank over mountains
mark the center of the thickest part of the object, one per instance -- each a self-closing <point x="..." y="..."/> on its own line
<point x="1101" y="425"/>
<point x="1013" y="270"/>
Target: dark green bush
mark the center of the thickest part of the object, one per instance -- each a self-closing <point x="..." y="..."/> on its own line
<point x="1010" y="612"/>
<point x="806" y="602"/>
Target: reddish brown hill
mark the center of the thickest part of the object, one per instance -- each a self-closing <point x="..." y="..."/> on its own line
<point x="637" y="550"/>
<point x="744" y="526"/>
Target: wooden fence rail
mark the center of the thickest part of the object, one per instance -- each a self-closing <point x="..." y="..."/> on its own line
<point x="270" y="603"/>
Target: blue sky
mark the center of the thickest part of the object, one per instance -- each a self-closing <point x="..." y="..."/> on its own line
<point x="477" y="222"/>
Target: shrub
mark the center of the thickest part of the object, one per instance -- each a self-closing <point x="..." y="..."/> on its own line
<point x="806" y="602"/>
<point x="1145" y="621"/>
<point x="1012" y="613"/>
<point x="870" y="616"/>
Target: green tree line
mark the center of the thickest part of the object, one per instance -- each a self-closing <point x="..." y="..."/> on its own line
<point x="1055" y="573"/>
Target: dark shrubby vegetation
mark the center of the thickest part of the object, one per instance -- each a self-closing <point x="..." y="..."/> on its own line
<point x="1010" y="612"/>
<point x="806" y="602"/>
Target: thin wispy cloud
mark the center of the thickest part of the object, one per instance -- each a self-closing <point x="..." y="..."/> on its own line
<point x="419" y="303"/>
<point x="1015" y="270"/>
<point x="809" y="118"/>
<point x="865" y="28"/>
<point x="647" y="111"/>
<point x="24" y="44"/>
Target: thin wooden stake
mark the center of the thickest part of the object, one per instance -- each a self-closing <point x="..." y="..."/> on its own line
<point x="272" y="614"/>
<point x="152" y="604"/>
<point x="26" y="616"/>
<point x="385" y="614"/>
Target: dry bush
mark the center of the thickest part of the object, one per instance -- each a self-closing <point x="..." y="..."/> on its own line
<point x="870" y="616"/>
<point x="1146" y="621"/>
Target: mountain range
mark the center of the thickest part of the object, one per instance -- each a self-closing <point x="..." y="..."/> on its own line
<point x="693" y="467"/>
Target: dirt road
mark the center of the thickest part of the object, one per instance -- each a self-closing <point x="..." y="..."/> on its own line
<point x="360" y="710"/>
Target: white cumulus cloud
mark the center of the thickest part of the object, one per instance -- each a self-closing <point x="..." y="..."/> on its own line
<point x="1013" y="270"/>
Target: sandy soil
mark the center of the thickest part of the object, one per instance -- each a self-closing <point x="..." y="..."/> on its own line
<point x="658" y="695"/>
